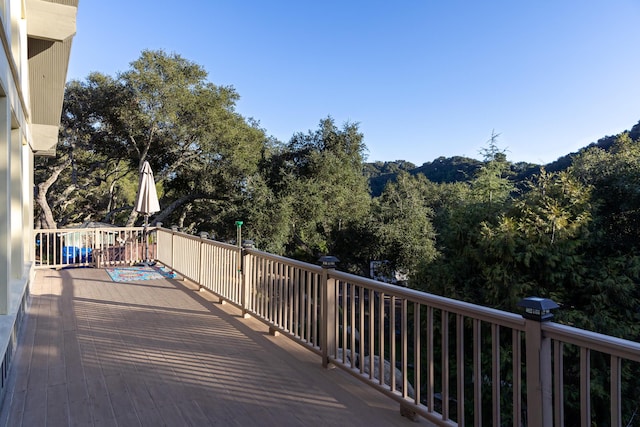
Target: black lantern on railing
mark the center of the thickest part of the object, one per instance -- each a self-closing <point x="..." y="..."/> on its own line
<point x="536" y="308"/>
<point x="328" y="261"/>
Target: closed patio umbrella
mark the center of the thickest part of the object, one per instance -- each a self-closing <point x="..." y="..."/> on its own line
<point x="147" y="202"/>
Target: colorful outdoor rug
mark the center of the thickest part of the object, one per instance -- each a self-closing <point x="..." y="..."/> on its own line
<point x="128" y="274"/>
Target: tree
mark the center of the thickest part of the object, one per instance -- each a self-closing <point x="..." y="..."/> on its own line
<point x="535" y="248"/>
<point x="89" y="175"/>
<point x="491" y="183"/>
<point x="404" y="227"/>
<point x="187" y="128"/>
<point x="320" y="175"/>
<point x="162" y="110"/>
<point x="615" y="177"/>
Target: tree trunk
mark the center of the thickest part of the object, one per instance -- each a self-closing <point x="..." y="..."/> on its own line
<point x="132" y="217"/>
<point x="173" y="206"/>
<point x="41" y="195"/>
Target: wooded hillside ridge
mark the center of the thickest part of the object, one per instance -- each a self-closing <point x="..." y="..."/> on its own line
<point x="460" y="168"/>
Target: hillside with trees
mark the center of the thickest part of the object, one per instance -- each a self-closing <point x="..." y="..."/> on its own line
<point x="460" y="169"/>
<point x="487" y="231"/>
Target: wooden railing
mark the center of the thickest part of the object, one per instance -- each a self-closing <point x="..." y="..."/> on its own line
<point x="452" y="362"/>
<point x="106" y="246"/>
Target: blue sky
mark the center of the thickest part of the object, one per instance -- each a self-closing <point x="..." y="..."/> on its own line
<point x="423" y="79"/>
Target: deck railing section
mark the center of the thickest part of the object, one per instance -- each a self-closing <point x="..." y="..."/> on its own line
<point x="616" y="354"/>
<point x="452" y="362"/>
<point x="286" y="294"/>
<point x="213" y="265"/>
<point x="438" y="357"/>
<point x="104" y="246"/>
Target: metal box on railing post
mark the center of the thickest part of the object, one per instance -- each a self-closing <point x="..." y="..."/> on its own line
<point x="328" y="321"/>
<point x="538" y="357"/>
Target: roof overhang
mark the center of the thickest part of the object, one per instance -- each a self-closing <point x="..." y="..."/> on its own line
<point x="51" y="26"/>
<point x="49" y="20"/>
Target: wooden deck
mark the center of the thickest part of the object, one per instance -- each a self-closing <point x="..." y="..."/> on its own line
<point x="94" y="352"/>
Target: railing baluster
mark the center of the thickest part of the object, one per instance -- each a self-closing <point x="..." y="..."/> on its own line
<point x="286" y="325"/>
<point x="477" y="373"/>
<point x="417" y="383"/>
<point x="495" y="372"/>
<point x="460" y="369"/>
<point x="307" y="302"/>
<point x="444" y="393"/>
<point x="266" y="286"/>
<point x="273" y="277"/>
<point x="405" y="343"/>
<point x="585" y="386"/>
<point x="381" y="344"/>
<point x="372" y="334"/>
<point x="293" y="313"/>
<point x="289" y="300"/>
<point x="616" y="391"/>
<point x="558" y="380"/>
<point x="430" y="362"/>
<point x="517" y="377"/>
<point x="342" y="294"/>
<point x="362" y="335"/>
<point x="392" y="342"/>
<point x="314" y="309"/>
<point x="354" y="330"/>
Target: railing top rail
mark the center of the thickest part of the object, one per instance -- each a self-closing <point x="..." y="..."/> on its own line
<point x="198" y="238"/>
<point x="619" y="347"/>
<point x="503" y="318"/>
<point x="87" y="229"/>
<point x="288" y="261"/>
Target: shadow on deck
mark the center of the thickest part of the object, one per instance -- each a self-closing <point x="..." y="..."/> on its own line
<point x="158" y="352"/>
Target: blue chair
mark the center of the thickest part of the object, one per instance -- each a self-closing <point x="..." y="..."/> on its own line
<point x="85" y="254"/>
<point x="70" y="254"/>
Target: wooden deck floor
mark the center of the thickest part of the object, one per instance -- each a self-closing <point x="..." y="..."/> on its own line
<point x="94" y="352"/>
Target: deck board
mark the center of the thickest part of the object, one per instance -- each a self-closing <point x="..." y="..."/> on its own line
<point x="159" y="352"/>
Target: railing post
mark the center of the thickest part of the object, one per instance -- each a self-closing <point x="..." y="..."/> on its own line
<point x="203" y="236"/>
<point x="158" y="226"/>
<point x="328" y="321"/>
<point x="246" y="279"/>
<point x="174" y="230"/>
<point x="538" y="361"/>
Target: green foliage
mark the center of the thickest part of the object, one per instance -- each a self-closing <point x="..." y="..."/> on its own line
<point x="162" y="110"/>
<point x="441" y="170"/>
<point x="319" y="174"/>
<point x="404" y="228"/>
<point x="535" y="247"/>
<point x="491" y="183"/>
<point x="615" y="176"/>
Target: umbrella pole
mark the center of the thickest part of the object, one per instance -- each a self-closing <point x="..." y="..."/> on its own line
<point x="146" y="239"/>
<point x="145" y="235"/>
